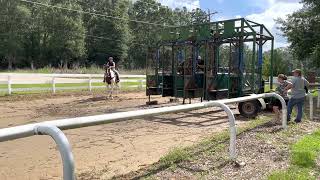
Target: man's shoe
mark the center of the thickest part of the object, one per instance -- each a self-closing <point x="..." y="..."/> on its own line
<point x="297" y="121"/>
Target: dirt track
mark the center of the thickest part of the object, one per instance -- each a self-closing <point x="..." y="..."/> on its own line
<point x="110" y="149"/>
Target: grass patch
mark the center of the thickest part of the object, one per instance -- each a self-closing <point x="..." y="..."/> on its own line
<point x="303" y="156"/>
<point x="305" y="151"/>
<point x="175" y="156"/>
<point x="40" y="88"/>
<point x="293" y="173"/>
<point x="315" y="93"/>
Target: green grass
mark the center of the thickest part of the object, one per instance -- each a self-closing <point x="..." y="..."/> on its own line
<point x="303" y="156"/>
<point x="175" y="156"/>
<point x="293" y="173"/>
<point x="315" y="93"/>
<point x="124" y="86"/>
<point x="305" y="151"/>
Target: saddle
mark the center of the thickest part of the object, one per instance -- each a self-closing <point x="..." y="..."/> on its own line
<point x="107" y="77"/>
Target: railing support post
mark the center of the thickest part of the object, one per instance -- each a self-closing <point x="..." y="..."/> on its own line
<point x="53" y="85"/>
<point x="63" y="146"/>
<point x="9" y="85"/>
<point x="311" y="106"/>
<point x="232" y="128"/>
<point x="284" y="108"/>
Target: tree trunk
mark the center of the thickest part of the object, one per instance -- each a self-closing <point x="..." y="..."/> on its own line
<point x="30" y="59"/>
<point x="32" y="65"/>
<point x="65" y="65"/>
<point x="10" y="62"/>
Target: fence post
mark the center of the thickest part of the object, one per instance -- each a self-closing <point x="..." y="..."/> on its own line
<point x="318" y="103"/>
<point x="53" y="85"/>
<point x="311" y="105"/>
<point x="9" y="85"/>
<point x="140" y="84"/>
<point x="90" y="83"/>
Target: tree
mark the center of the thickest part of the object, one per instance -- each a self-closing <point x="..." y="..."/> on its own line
<point x="302" y="29"/>
<point x="13" y="25"/>
<point x="284" y="62"/>
<point x="65" y="36"/>
<point x="162" y="18"/>
<point x="107" y="36"/>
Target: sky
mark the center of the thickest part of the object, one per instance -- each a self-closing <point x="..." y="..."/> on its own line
<point x="261" y="11"/>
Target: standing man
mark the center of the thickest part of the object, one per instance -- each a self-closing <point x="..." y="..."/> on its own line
<point x="112" y="65"/>
<point x="297" y="87"/>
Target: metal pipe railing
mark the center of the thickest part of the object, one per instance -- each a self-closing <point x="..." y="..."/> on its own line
<point x="63" y="146"/>
<point x="266" y="95"/>
<point x="12" y="133"/>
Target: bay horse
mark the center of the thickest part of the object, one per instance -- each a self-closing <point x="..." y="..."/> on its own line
<point x="112" y="82"/>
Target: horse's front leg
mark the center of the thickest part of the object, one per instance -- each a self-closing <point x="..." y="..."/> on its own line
<point x="111" y="90"/>
<point x="117" y="88"/>
<point x="108" y="90"/>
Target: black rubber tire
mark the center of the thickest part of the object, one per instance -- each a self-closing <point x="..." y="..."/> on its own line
<point x="249" y="109"/>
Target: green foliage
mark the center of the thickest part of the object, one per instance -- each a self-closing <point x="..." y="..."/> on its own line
<point x="36" y="36"/>
<point x="302" y="29"/>
<point x="283" y="62"/>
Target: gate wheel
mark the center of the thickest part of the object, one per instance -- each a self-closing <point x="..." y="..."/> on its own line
<point x="249" y="109"/>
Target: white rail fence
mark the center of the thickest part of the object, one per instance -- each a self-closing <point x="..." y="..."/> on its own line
<point x="311" y="101"/>
<point x="54" y="79"/>
<point x="53" y="128"/>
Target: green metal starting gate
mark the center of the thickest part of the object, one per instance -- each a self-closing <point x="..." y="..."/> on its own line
<point x="174" y="68"/>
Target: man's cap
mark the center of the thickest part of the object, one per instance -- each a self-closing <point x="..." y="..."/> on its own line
<point x="297" y="71"/>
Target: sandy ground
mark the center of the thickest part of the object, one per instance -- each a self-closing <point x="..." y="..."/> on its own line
<point x="116" y="148"/>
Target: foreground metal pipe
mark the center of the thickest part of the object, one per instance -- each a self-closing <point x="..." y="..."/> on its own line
<point x="63" y="146"/>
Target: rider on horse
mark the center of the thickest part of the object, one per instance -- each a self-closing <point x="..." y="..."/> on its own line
<point x="111" y="65"/>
